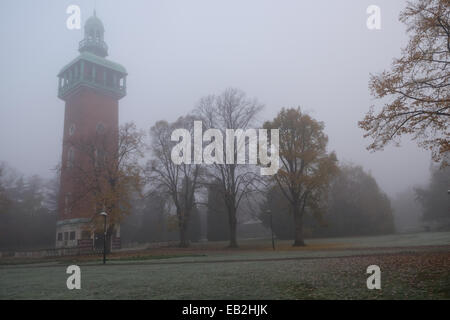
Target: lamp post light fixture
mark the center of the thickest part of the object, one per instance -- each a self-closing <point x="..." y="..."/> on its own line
<point x="269" y="212"/>
<point x="104" y="214"/>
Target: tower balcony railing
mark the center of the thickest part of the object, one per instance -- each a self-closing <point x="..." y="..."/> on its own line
<point x="118" y="90"/>
<point x="93" y="42"/>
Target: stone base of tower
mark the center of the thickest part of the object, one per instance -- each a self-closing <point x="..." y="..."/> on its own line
<point x="76" y="234"/>
<point x="70" y="231"/>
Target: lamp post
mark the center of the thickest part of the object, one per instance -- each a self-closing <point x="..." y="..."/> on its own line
<point x="104" y="214"/>
<point x="269" y="212"/>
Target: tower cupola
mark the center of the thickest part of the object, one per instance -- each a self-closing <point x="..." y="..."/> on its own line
<point x="91" y="69"/>
<point x="93" y="37"/>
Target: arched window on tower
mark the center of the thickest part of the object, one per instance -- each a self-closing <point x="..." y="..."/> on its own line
<point x="96" y="157"/>
<point x="70" y="157"/>
<point x="99" y="157"/>
<point x="72" y="130"/>
<point x="67" y="204"/>
<point x="100" y="128"/>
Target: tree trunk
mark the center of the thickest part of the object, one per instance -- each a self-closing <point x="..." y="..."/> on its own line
<point x="184" y="240"/>
<point x="233" y="226"/>
<point x="184" y="236"/>
<point x="298" y="221"/>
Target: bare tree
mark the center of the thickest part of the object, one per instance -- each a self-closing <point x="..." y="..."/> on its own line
<point x="230" y="110"/>
<point x="179" y="181"/>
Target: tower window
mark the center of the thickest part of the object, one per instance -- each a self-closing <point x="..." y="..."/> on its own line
<point x="72" y="130"/>
<point x="60" y="236"/>
<point x="100" y="157"/>
<point x="67" y="208"/>
<point x="70" y="157"/>
<point x="100" y="128"/>
<point x="72" y="235"/>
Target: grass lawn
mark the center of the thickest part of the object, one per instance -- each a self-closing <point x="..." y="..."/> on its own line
<point x="413" y="266"/>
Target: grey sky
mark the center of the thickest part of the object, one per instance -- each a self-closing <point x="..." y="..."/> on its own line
<point x="287" y="53"/>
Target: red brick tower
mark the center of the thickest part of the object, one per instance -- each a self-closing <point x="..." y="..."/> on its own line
<point x="91" y="87"/>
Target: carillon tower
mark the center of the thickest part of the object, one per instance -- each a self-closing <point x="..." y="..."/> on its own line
<point x="91" y="87"/>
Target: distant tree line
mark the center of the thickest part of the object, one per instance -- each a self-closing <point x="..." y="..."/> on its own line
<point x="435" y="198"/>
<point x="27" y="211"/>
<point x="355" y="206"/>
<point x="152" y="220"/>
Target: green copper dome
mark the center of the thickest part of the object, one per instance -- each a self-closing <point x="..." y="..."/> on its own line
<point x="95" y="22"/>
<point x="93" y="41"/>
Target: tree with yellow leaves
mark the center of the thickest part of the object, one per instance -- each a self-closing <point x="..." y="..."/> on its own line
<point x="305" y="166"/>
<point x="416" y="91"/>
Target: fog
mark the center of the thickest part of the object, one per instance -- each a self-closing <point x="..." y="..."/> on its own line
<point x="315" y="54"/>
